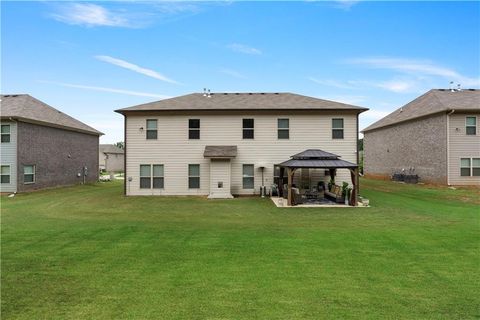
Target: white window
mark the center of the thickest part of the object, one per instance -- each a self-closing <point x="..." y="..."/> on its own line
<point x="151" y="176"/>
<point x="471" y="126"/>
<point x="276" y="175"/>
<point x="193" y="129"/>
<point x="193" y="176"/>
<point x="248" y="128"/>
<point x="248" y="176"/>
<point x="151" y="129"/>
<point x="158" y="179"/>
<point x="29" y="174"/>
<point x="465" y="167"/>
<point x="283" y="127"/>
<point x="337" y="128"/>
<point x="5" y="133"/>
<point x="5" y="174"/>
<point x="145" y="176"/>
<point x="476" y="167"/>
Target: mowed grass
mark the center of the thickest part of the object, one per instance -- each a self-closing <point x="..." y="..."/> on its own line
<point x="87" y="252"/>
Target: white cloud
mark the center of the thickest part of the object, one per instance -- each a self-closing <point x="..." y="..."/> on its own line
<point x="237" y="47"/>
<point x="374" y="115"/>
<point x="332" y="83"/>
<point x="345" y="4"/>
<point x="90" y="15"/>
<point x="112" y="90"/>
<point x="233" y="73"/>
<point x="399" y="86"/>
<point x="135" y="68"/>
<point x="355" y="100"/>
<point x="418" y="68"/>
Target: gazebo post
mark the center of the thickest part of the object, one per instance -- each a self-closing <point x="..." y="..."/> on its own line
<point x="289" y="186"/>
<point x="280" y="184"/>
<point x="354" y="176"/>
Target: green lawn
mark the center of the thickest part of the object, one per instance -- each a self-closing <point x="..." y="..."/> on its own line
<point x="87" y="252"/>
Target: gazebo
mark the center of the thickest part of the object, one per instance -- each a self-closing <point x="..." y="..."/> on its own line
<point x="318" y="159"/>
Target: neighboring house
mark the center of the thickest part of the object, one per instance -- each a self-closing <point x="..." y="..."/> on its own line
<point x="42" y="147"/>
<point x="436" y="135"/>
<point x="225" y="144"/>
<point x="111" y="158"/>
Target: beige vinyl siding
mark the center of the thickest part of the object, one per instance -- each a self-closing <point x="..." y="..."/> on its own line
<point x="8" y="156"/>
<point x="462" y="145"/>
<point x="176" y="151"/>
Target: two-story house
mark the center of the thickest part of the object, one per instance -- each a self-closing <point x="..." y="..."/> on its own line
<point x="436" y="136"/>
<point x="43" y="147"/>
<point x="225" y="144"/>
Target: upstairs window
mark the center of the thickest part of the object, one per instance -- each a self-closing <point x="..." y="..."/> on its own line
<point x="152" y="129"/>
<point x="5" y="133"/>
<point x="337" y="128"/>
<point x="248" y="128"/>
<point x="28" y="174"/>
<point x="248" y="176"/>
<point x="194" y="129"/>
<point x="193" y="176"/>
<point x="470" y="126"/>
<point x="5" y="174"/>
<point x="283" y="128"/>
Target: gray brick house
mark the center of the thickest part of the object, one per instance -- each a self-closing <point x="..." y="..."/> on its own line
<point x="436" y="134"/>
<point x="43" y="147"/>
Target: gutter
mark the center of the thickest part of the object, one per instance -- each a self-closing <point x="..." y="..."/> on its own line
<point x="448" y="146"/>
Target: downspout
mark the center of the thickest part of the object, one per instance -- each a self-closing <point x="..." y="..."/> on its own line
<point x="448" y="146"/>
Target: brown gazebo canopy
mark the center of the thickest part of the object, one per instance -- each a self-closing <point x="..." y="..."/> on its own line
<point x="318" y="159"/>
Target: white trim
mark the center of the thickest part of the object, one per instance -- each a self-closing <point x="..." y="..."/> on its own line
<point x="448" y="146"/>
<point x="475" y="126"/>
<point x="34" y="173"/>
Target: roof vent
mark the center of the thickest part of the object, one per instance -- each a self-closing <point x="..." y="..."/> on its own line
<point x="451" y="87"/>
<point x="204" y="92"/>
<point x="208" y="94"/>
<point x="459" y="87"/>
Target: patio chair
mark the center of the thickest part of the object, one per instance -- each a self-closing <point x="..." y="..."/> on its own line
<point x="297" y="197"/>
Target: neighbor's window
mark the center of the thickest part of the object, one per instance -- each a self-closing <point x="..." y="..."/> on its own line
<point x="248" y="129"/>
<point x="465" y="167"/>
<point x="5" y="133"/>
<point x="194" y="129"/>
<point x="5" y="174"/>
<point x="28" y="174"/>
<point x="152" y="129"/>
<point x="193" y="176"/>
<point x="470" y="126"/>
<point x="476" y="167"/>
<point x="337" y="128"/>
<point x="158" y="181"/>
<point x="145" y="176"/>
<point x="248" y="178"/>
<point x="283" y="128"/>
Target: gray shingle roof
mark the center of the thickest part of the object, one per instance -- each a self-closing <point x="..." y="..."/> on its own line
<point x="220" y="152"/>
<point x="434" y="101"/>
<point x="26" y="107"/>
<point x="242" y="101"/>
<point x="110" y="148"/>
<point x="317" y="163"/>
<point x="315" y="153"/>
<point x="316" y="158"/>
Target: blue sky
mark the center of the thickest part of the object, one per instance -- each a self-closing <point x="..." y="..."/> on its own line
<point x="89" y="58"/>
